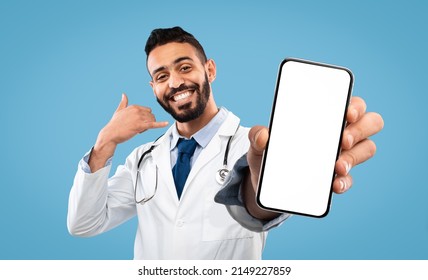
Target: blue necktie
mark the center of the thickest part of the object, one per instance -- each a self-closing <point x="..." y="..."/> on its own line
<point x="181" y="169"/>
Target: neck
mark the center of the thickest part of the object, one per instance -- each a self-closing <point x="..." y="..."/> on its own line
<point x="187" y="129"/>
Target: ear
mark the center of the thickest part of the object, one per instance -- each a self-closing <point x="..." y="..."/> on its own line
<point x="211" y="70"/>
<point x="153" y="87"/>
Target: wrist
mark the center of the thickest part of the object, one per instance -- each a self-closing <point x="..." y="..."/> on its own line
<point x="101" y="152"/>
<point x="103" y="147"/>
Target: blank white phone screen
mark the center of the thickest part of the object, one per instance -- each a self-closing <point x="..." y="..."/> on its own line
<point x="306" y="125"/>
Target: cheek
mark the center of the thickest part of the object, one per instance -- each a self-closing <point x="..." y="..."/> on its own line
<point x="158" y="91"/>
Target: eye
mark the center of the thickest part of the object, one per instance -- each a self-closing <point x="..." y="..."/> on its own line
<point x="185" y="68"/>
<point x="161" y="77"/>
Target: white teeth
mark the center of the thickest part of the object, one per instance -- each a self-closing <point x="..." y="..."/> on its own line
<point x="181" y="96"/>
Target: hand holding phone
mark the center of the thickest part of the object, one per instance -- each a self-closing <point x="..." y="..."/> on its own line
<point x="306" y="126"/>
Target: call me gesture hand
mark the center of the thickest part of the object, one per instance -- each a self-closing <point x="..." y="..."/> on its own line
<point x="127" y="121"/>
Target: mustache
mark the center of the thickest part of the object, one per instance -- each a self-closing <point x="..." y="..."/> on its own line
<point x="182" y="87"/>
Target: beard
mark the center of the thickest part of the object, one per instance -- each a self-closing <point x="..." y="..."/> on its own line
<point x="185" y="113"/>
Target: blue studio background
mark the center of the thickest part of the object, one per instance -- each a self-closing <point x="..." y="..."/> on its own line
<point x="64" y="65"/>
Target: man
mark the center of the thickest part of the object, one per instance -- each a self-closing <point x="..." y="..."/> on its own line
<point x="177" y="215"/>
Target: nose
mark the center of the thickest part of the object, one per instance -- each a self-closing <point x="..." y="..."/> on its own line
<point x="175" y="80"/>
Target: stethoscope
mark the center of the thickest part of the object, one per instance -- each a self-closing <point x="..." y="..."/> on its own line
<point x="220" y="175"/>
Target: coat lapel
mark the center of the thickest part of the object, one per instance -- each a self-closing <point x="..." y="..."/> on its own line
<point x="162" y="159"/>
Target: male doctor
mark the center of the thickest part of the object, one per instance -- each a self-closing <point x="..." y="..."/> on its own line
<point x="189" y="214"/>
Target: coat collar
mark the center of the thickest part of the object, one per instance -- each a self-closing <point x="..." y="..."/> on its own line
<point x="228" y="128"/>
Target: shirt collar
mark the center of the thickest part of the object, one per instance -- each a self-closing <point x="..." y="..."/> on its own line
<point x="205" y="134"/>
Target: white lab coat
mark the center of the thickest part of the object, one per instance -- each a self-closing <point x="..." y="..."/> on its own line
<point x="194" y="227"/>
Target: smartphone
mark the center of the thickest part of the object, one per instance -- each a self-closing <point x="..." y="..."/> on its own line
<point x="305" y="131"/>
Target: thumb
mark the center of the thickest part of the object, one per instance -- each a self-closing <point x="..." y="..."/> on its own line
<point x="258" y="136"/>
<point x="123" y="103"/>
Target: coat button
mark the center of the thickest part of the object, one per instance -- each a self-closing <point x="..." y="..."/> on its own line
<point x="180" y="223"/>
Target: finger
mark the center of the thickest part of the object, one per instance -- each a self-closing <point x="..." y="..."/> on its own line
<point x="140" y="109"/>
<point x="361" y="152"/>
<point x="368" y="125"/>
<point x="148" y="121"/>
<point x="356" y="109"/>
<point x="123" y="103"/>
<point x="258" y="136"/>
<point x="156" y="125"/>
<point x="342" y="183"/>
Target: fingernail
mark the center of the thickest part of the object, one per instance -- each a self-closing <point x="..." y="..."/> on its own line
<point x="342" y="185"/>
<point x="350" y="139"/>
<point x="347" y="167"/>
<point x="255" y="140"/>
<point x="257" y="135"/>
<point x="354" y="113"/>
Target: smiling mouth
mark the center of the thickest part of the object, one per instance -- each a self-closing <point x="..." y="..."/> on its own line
<point x="181" y="96"/>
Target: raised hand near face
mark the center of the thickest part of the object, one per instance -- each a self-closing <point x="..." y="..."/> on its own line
<point x="126" y="122"/>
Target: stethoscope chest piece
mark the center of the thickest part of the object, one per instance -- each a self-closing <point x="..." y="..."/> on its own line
<point x="221" y="174"/>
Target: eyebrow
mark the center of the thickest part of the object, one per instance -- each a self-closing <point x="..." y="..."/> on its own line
<point x="175" y="62"/>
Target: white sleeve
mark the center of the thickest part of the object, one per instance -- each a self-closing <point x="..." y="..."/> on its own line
<point x="230" y="196"/>
<point x="84" y="162"/>
<point x="97" y="203"/>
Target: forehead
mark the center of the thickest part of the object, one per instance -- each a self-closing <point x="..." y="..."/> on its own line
<point x="165" y="55"/>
